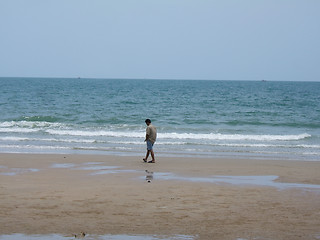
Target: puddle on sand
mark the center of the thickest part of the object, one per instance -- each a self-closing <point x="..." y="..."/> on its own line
<point x="95" y="237"/>
<point x="268" y="181"/>
<point x="63" y="165"/>
<point x="82" y="166"/>
<point x="113" y="171"/>
<point x="95" y="167"/>
<point x="15" y="171"/>
<point x="92" y="163"/>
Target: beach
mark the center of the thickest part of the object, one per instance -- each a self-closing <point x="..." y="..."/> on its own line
<point x="99" y="194"/>
<point x="231" y="88"/>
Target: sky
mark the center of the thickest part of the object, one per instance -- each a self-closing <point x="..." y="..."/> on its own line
<point x="161" y="39"/>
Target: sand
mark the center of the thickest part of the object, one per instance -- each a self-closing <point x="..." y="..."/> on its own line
<point x="67" y="194"/>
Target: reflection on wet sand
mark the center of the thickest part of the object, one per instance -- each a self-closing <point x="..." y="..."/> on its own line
<point x="149" y="176"/>
<point x="97" y="168"/>
<point x="268" y="181"/>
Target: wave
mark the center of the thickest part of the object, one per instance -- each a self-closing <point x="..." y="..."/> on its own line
<point x="44" y="126"/>
<point x="280" y="124"/>
<point x="30" y="124"/>
<point x="265" y="145"/>
<point x="34" y="147"/>
<point x="24" y="139"/>
<point x="88" y="133"/>
<point x="14" y="139"/>
<point x="17" y="130"/>
<point x="218" y="136"/>
<point x="38" y="119"/>
<point x="195" y="136"/>
<point x="160" y="142"/>
<point x="58" y="129"/>
<point x="243" y="148"/>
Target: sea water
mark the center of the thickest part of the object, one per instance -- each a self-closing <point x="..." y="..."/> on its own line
<point x="241" y="119"/>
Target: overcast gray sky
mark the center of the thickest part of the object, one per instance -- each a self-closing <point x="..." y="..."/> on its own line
<point x="165" y="39"/>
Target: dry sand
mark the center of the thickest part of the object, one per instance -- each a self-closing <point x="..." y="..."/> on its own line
<point x="68" y="199"/>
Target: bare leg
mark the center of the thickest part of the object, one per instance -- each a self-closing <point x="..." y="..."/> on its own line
<point x="147" y="155"/>
<point x="152" y="155"/>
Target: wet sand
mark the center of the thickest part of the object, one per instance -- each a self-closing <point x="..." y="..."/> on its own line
<point x="67" y="194"/>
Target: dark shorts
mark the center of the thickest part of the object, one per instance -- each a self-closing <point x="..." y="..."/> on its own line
<point x="149" y="145"/>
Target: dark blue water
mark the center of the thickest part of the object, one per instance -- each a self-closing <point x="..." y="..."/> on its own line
<point x="278" y="120"/>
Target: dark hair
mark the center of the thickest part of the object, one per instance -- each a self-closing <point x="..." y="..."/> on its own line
<point x="148" y="120"/>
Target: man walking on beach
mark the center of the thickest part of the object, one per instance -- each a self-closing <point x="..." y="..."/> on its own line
<point x="151" y="136"/>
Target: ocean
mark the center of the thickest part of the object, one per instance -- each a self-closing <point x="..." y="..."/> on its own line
<point x="194" y="118"/>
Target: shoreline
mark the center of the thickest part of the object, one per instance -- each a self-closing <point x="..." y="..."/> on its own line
<point x="70" y="193"/>
<point x="177" y="155"/>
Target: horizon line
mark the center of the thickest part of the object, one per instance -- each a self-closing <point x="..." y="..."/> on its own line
<point x="163" y="79"/>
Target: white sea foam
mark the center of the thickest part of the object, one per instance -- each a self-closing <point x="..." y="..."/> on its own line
<point x="33" y="147"/>
<point x="160" y="142"/>
<point x="308" y="146"/>
<point x="196" y="136"/>
<point x="94" y="133"/>
<point x="65" y="140"/>
<point x="218" y="136"/>
<point x="14" y="138"/>
<point x="65" y="130"/>
<point x="262" y="145"/>
<point x="33" y="136"/>
<point x="17" y="130"/>
<point x="30" y="124"/>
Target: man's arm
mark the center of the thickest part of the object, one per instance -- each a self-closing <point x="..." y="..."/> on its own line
<point x="147" y="137"/>
<point x="147" y="134"/>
